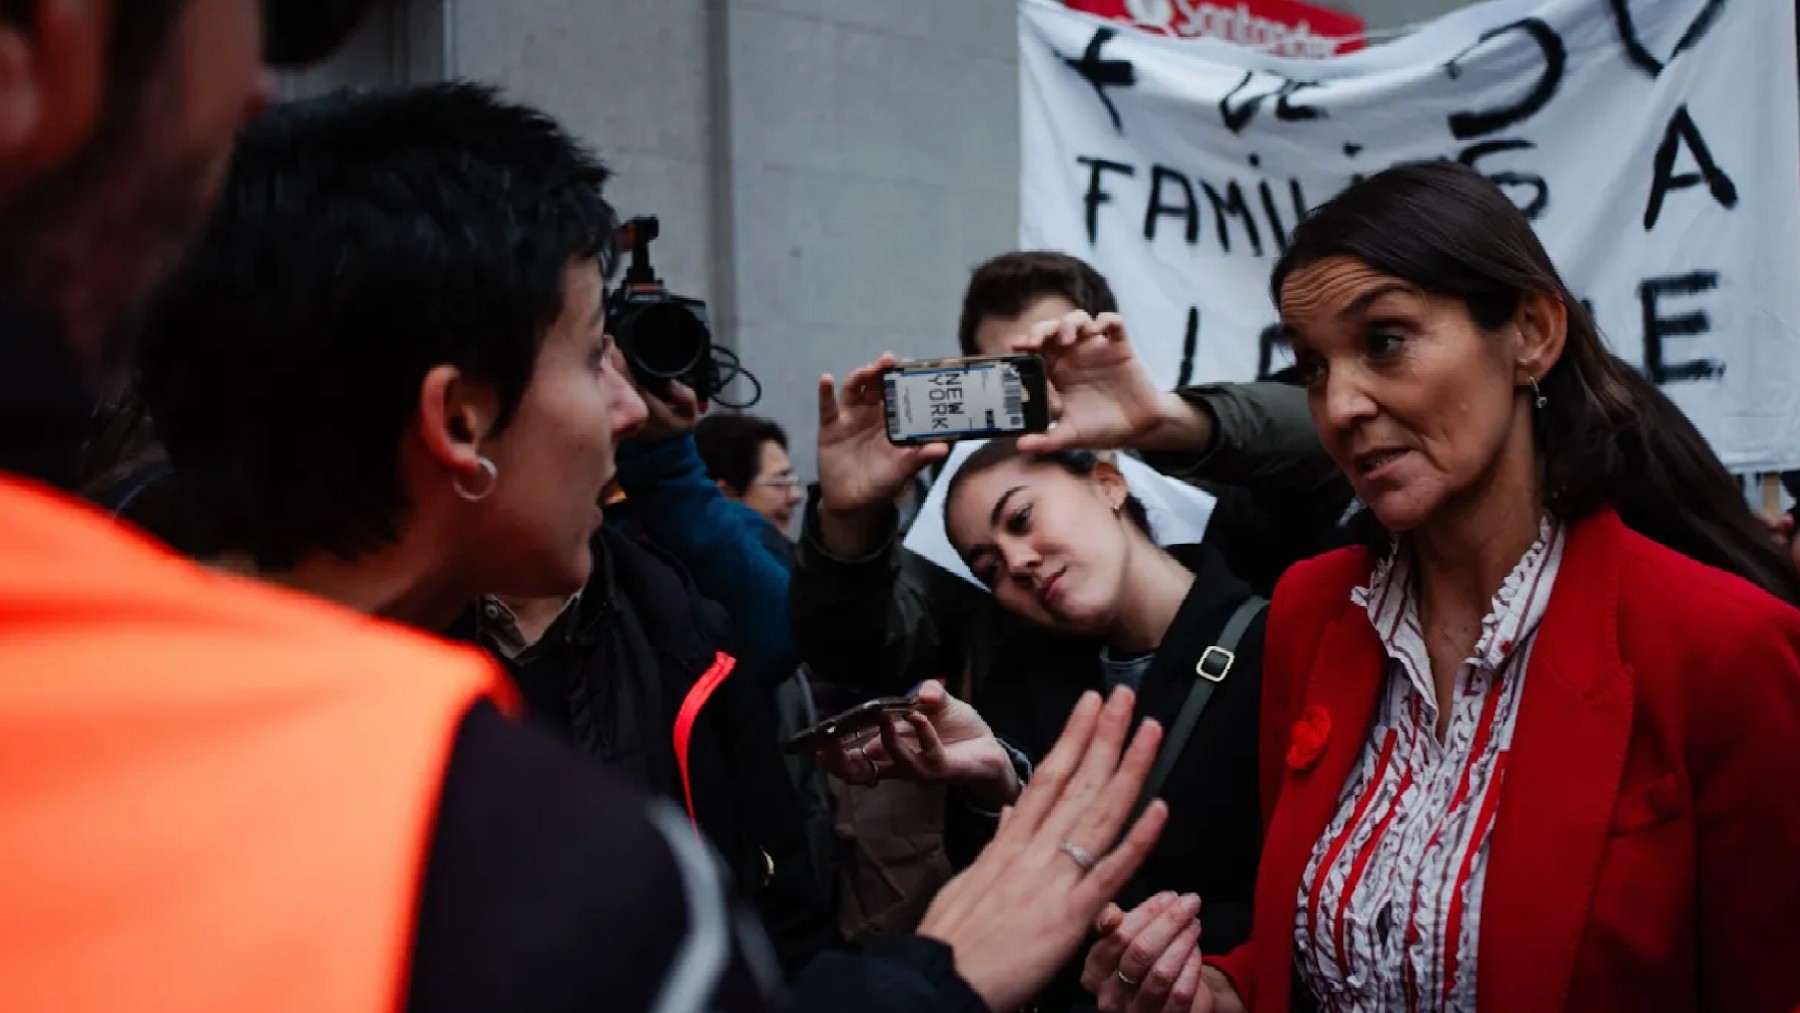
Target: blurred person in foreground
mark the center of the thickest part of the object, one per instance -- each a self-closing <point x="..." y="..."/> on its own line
<point x="449" y="245"/>
<point x="187" y="822"/>
<point x="1532" y="747"/>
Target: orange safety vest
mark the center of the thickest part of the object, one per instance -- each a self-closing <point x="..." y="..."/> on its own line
<point x="214" y="794"/>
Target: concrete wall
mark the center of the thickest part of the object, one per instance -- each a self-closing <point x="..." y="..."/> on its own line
<point x="826" y="171"/>
<point x="873" y="160"/>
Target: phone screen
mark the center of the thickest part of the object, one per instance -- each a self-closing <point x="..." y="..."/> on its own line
<point x="952" y="402"/>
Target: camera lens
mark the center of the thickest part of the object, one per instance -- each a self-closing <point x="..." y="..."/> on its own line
<point x="664" y="340"/>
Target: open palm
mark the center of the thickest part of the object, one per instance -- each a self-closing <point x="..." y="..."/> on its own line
<point x="859" y="468"/>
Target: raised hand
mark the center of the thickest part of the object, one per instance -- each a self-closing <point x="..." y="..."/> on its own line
<point x="858" y="466"/>
<point x="860" y="471"/>
<point x="1107" y="398"/>
<point x="1019" y="912"/>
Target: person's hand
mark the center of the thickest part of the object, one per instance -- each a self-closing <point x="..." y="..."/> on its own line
<point x="1149" y="961"/>
<point x="1018" y="913"/>
<point x="1780" y="525"/>
<point x="859" y="467"/>
<point x="667" y="419"/>
<point x="674" y="412"/>
<point x="1106" y="398"/>
<point x="860" y="471"/>
<point x="944" y="741"/>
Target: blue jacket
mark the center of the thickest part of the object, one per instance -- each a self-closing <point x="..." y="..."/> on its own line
<point x="736" y="557"/>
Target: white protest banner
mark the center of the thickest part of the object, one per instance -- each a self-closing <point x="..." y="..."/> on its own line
<point x="1655" y="144"/>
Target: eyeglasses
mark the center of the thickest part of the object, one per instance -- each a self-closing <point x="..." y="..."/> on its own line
<point x="778" y="482"/>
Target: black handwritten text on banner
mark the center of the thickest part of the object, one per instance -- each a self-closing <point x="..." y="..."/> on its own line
<point x="1655" y="144"/>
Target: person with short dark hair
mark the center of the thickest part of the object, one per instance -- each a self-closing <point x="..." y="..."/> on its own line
<point x="387" y="357"/>
<point x="1020" y="286"/>
<point x="250" y="795"/>
<point x="318" y="794"/>
<point x="1532" y="746"/>
<point x="747" y="455"/>
<point x="611" y="654"/>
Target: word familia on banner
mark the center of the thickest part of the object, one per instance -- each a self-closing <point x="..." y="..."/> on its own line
<point x="1654" y="146"/>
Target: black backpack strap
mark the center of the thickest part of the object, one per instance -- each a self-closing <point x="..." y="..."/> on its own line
<point x="1214" y="665"/>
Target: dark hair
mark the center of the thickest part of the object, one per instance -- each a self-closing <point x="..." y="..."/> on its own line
<point x="1080" y="463"/>
<point x="1606" y="435"/>
<point x="731" y="446"/>
<point x="1007" y="284"/>
<point x="362" y="239"/>
<point x="125" y="471"/>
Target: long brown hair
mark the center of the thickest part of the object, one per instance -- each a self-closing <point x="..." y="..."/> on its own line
<point x="1606" y="436"/>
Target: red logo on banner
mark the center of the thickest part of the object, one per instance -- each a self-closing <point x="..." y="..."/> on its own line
<point x="1278" y="27"/>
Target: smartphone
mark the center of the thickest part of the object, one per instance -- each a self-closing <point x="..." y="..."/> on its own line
<point x="861" y="717"/>
<point x="942" y="400"/>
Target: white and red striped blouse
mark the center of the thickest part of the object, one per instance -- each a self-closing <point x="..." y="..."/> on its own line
<point x="1390" y="906"/>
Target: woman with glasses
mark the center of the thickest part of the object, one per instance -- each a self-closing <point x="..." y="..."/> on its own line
<point x="748" y="457"/>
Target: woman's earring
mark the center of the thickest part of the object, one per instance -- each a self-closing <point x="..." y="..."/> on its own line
<point x="1538" y="394"/>
<point x="487" y="468"/>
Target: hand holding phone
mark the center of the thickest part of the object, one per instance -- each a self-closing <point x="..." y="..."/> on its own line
<point x="942" y="400"/>
<point x="860" y="718"/>
<point x="1107" y="398"/>
<point x="938" y="739"/>
<point x="860" y="470"/>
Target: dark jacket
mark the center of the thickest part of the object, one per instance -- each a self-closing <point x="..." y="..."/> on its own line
<point x="611" y="676"/>
<point x="1214" y="834"/>
<point x="736" y="557"/>
<point x="1027" y="686"/>
<point x="1213" y="838"/>
<point x="550" y="887"/>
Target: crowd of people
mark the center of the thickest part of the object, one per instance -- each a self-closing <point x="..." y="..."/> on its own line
<point x="375" y="635"/>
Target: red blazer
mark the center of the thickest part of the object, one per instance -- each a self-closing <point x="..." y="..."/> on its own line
<point x="1647" y="850"/>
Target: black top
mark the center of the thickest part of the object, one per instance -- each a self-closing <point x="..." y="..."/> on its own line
<point x="610" y="676"/>
<point x="551" y="888"/>
<point x="1214" y="836"/>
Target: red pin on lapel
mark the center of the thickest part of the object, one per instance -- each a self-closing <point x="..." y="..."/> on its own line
<point x="1310" y="735"/>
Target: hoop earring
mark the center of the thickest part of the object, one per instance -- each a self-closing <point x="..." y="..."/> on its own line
<point x="486" y="467"/>
<point x="1541" y="400"/>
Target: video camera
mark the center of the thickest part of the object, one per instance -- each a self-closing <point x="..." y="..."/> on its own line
<point x="666" y="336"/>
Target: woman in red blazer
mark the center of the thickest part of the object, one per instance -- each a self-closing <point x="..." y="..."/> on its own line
<point x="1537" y="746"/>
